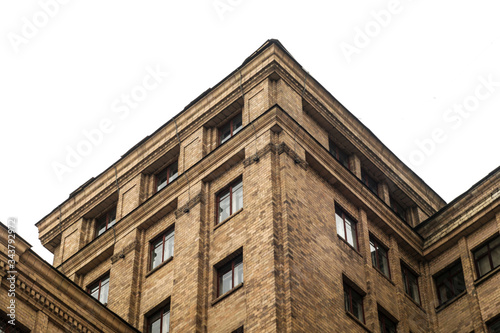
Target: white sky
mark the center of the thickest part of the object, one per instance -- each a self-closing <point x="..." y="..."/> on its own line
<point x="402" y="80"/>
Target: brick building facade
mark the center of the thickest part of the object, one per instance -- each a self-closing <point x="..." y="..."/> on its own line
<point x="266" y="206"/>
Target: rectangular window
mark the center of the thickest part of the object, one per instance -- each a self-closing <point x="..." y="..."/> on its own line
<point x="339" y="155"/>
<point x="159" y="322"/>
<point x="369" y="182"/>
<point x="410" y="281"/>
<point x="230" y="275"/>
<point x="487" y="257"/>
<point x="346" y="227"/>
<point x="106" y="221"/>
<point x="494" y="326"/>
<point x="166" y="176"/>
<point x="450" y="283"/>
<point x="162" y="249"/>
<point x="353" y="302"/>
<point x="380" y="257"/>
<point x="232" y="127"/>
<point x="99" y="289"/>
<point x="386" y="324"/>
<point x="230" y="200"/>
<point x="398" y="209"/>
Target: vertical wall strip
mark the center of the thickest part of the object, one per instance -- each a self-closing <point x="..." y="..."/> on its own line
<point x="256" y="157"/>
<point x="186" y="210"/>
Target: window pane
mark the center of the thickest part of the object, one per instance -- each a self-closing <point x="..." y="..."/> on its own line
<point x="483" y="265"/>
<point x="156" y="255"/>
<point x="237" y="124"/>
<point x="340" y="225"/>
<point x="495" y="256"/>
<point x="347" y="299"/>
<point x="237" y="197"/>
<point x="238" y="273"/>
<point x="357" y="305"/>
<point x="382" y="260"/>
<point x="94" y="292"/>
<point x="104" y="292"/>
<point x="224" y="207"/>
<point x="495" y="242"/>
<point x="225" y="133"/>
<point x="351" y="233"/>
<point x="480" y="252"/>
<point x="458" y="283"/>
<point x="169" y="246"/>
<point x="495" y="327"/>
<point x="444" y="293"/>
<point x="173" y="172"/>
<point x="155" y="324"/>
<point x="161" y="180"/>
<point x="373" y="252"/>
<point x="413" y="292"/>
<point x="166" y="321"/>
<point x="226" y="282"/>
<point x="101" y="228"/>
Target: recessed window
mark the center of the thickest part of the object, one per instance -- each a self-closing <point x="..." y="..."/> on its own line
<point x="230" y="275"/>
<point x="369" y="182"/>
<point x="232" y="127"/>
<point x="230" y="200"/>
<point x="487" y="257"/>
<point x="410" y="281"/>
<point x="238" y="330"/>
<point x="353" y="302"/>
<point x="386" y="324"/>
<point x="339" y="155"/>
<point x="398" y="209"/>
<point x="450" y="283"/>
<point x="346" y="227"/>
<point x="380" y="258"/>
<point x="106" y="221"/>
<point x="494" y="326"/>
<point x="162" y="249"/>
<point x="166" y="176"/>
<point x="100" y="289"/>
<point x="159" y="322"/>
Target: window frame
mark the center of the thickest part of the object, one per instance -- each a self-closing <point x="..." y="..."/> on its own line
<point x="98" y="283"/>
<point x="367" y="179"/>
<point x="341" y="156"/>
<point x="222" y="192"/>
<point x="345" y="215"/>
<point x="161" y="313"/>
<point x="382" y="318"/>
<point x="230" y="122"/>
<point x="163" y="237"/>
<point x="223" y="269"/>
<point x="450" y="277"/>
<point x="488" y="253"/>
<point x="376" y="245"/>
<point x="168" y="169"/>
<point x="350" y="290"/>
<point x="406" y="269"/>
<point x="106" y="216"/>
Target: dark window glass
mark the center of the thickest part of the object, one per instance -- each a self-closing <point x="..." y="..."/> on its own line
<point x="494" y="327"/>
<point x="230" y="200"/>
<point x="106" y="221"/>
<point x="339" y="155"/>
<point x="227" y="131"/>
<point x="450" y="283"/>
<point x="487" y="257"/>
<point x="238" y="330"/>
<point x="159" y="322"/>
<point x="410" y="281"/>
<point x="380" y="258"/>
<point x="100" y="289"/>
<point x="398" y="209"/>
<point x="230" y="275"/>
<point x="346" y="227"/>
<point x="166" y="176"/>
<point x="353" y="302"/>
<point x="369" y="182"/>
<point x="386" y="325"/>
<point x="162" y="249"/>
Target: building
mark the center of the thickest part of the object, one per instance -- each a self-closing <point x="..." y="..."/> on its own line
<point x="288" y="215"/>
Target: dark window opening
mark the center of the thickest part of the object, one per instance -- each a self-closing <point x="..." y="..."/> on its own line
<point x="487" y="257"/>
<point x="380" y="258"/>
<point x="238" y="330"/>
<point x="159" y="322"/>
<point x="386" y="324"/>
<point x="410" y="282"/>
<point x="369" y="182"/>
<point x="339" y="155"/>
<point x="450" y="283"/>
<point x="228" y="130"/>
<point x="106" y="221"/>
<point x="494" y="326"/>
<point x="166" y="176"/>
<point x="353" y="302"/>
<point x="398" y="209"/>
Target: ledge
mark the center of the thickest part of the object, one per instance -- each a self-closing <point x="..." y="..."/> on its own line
<point x="229" y="218"/>
<point x="160" y="266"/>
<point x="359" y="322"/>
<point x="350" y="246"/>
<point x="486" y="276"/>
<point x="450" y="301"/>
<point x="221" y="297"/>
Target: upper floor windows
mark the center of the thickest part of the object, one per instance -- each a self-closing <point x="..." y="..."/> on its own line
<point x="353" y="302"/>
<point x="162" y="249"/>
<point x="487" y="257"/>
<point x="386" y="324"/>
<point x="230" y="200"/>
<point x="346" y="227"/>
<point x="106" y="221"/>
<point x="369" y="182"/>
<point x="450" y="283"/>
<point x="166" y="176"/>
<point x="99" y="289"/>
<point x="398" y="209"/>
<point x="230" y="275"/>
<point x="338" y="154"/>
<point x="159" y="322"/>
<point x="410" y="281"/>
<point x="380" y="258"/>
<point x="228" y="130"/>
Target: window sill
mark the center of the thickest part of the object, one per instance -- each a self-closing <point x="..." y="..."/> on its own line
<point x="229" y="218"/>
<point x="384" y="276"/>
<point x="159" y="266"/>
<point x="487" y="276"/>
<point x="352" y="247"/>
<point x="221" y="297"/>
<point x="359" y="322"/>
<point x="415" y="302"/>
<point x="450" y="301"/>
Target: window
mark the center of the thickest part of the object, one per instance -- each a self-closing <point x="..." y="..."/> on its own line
<point x="230" y="200"/>
<point x="369" y="182"/>
<point x="410" y="281"/>
<point x="487" y="257"/>
<point x="159" y="322"/>
<point x="450" y="283"/>
<point x="238" y="330"/>
<point x="5" y="327"/>
<point x="386" y="324"/>
<point x="99" y="289"/>
<point x="166" y="176"/>
<point x="494" y="326"/>
<point x="230" y="275"/>
<point x="227" y="131"/>
<point x="162" y="249"/>
<point x="380" y="258"/>
<point x="106" y="221"/>
<point x="398" y="209"/>
<point x="353" y="302"/>
<point x="346" y="227"/>
<point x="339" y="155"/>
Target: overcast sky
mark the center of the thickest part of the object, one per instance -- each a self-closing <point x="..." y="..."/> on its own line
<point x="423" y="75"/>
